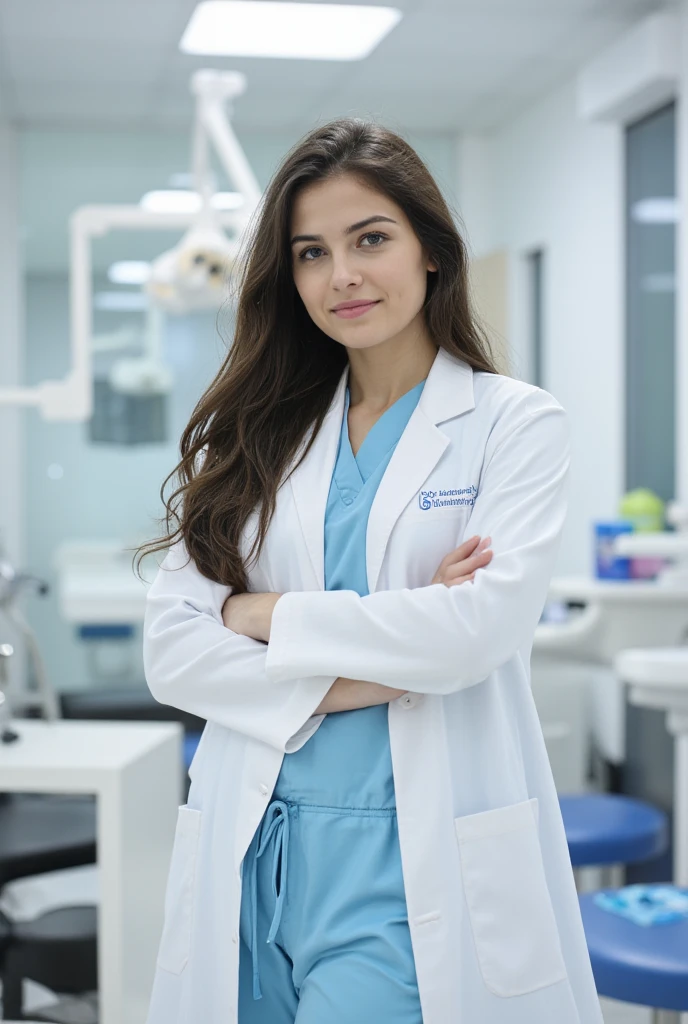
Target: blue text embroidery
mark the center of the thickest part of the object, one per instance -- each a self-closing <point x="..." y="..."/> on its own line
<point x="436" y="499"/>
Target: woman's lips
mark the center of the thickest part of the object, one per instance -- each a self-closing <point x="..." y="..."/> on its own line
<point x="352" y="311"/>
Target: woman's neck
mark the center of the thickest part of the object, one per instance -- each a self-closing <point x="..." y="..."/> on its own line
<point x="377" y="381"/>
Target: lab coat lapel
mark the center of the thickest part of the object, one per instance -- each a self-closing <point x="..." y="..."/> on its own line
<point x="310" y="482"/>
<point x="448" y="392"/>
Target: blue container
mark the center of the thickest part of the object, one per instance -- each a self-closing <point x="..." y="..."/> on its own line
<point x="609" y="566"/>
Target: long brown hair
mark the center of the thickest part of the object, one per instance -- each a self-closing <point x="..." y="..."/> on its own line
<point x="280" y="374"/>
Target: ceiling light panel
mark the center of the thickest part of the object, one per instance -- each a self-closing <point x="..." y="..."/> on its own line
<point x="264" y="28"/>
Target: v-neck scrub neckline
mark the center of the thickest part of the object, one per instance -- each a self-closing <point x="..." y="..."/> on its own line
<point x="353" y="471"/>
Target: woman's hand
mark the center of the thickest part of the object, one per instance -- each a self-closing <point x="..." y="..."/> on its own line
<point x="250" y="614"/>
<point x="460" y="565"/>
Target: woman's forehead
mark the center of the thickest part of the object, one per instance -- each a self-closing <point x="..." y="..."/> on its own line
<point x="335" y="204"/>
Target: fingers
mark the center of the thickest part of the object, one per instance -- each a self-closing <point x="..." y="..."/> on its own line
<point x="461" y="552"/>
<point x="466" y="567"/>
<point x="460" y="579"/>
<point x="480" y="558"/>
<point x="474" y="544"/>
<point x="461" y="560"/>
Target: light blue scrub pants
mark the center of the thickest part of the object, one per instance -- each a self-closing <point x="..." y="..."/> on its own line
<point x="324" y="935"/>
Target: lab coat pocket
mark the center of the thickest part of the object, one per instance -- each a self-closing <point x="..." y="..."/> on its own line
<point x="175" y="942"/>
<point x="509" y="906"/>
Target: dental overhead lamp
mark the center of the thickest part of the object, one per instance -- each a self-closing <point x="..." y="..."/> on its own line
<point x="188" y="277"/>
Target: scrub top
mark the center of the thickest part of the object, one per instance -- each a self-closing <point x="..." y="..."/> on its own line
<point x="355" y="743"/>
<point x="332" y="879"/>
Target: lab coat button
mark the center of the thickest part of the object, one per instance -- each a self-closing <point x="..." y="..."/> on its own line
<point x="264" y="789"/>
<point x="235" y="937"/>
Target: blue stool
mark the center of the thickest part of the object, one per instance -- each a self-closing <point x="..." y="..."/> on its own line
<point x="191" y="741"/>
<point x="637" y="964"/>
<point x="609" y="828"/>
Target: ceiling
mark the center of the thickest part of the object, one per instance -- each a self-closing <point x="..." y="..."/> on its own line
<point x="449" y="65"/>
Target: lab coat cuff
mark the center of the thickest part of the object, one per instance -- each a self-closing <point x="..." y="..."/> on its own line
<point x="299" y="721"/>
<point x="276" y="659"/>
<point x="308" y="693"/>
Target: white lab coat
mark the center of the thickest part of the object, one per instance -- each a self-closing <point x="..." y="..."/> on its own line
<point x="492" y="906"/>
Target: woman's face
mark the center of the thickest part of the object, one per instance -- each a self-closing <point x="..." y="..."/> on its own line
<point x="359" y="245"/>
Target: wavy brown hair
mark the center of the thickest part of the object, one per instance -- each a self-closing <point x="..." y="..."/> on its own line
<point x="281" y="371"/>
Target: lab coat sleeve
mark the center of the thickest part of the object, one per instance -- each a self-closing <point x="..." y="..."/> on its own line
<point x="438" y="639"/>
<point x="193" y="662"/>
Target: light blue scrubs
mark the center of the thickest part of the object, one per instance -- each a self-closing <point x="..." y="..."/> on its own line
<point x="324" y="935"/>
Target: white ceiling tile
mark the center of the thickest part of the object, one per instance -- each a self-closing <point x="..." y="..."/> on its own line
<point x="43" y="104"/>
<point x="90" y="20"/>
<point x="79" y="60"/>
<point x="42" y="62"/>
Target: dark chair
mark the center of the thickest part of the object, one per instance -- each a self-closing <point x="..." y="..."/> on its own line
<point x="45" y="832"/>
<point x="49" y="832"/>
<point x="58" y="949"/>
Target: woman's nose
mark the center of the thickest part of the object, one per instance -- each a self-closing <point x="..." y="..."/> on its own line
<point x="344" y="274"/>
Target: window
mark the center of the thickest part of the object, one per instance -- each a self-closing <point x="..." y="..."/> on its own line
<point x="651" y="213"/>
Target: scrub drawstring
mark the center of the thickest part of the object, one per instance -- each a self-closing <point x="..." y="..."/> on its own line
<point x="277" y="815"/>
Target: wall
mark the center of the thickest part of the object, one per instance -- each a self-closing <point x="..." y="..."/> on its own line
<point x="12" y="537"/>
<point x="681" y="266"/>
<point x="549" y="180"/>
<point x="10" y="359"/>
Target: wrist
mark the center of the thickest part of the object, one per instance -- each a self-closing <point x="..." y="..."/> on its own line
<point x="267" y="608"/>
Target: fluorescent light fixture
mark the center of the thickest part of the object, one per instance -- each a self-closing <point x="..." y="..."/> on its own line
<point x="129" y="272"/>
<point x="183" y="200"/>
<point x="264" y="28"/>
<point x="656" y="210"/>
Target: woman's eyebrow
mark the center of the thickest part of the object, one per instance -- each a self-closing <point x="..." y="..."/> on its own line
<point x="347" y="231"/>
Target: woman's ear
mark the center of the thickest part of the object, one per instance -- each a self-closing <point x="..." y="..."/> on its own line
<point x="431" y="266"/>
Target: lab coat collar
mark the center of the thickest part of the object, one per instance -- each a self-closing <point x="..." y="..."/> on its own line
<point x="448" y="392"/>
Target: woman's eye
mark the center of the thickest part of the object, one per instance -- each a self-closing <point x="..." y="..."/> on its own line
<point x="374" y="234"/>
<point x="304" y="256"/>
<point x="370" y="234"/>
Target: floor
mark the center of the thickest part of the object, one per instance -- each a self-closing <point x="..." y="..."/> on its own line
<point x="624" y="1013"/>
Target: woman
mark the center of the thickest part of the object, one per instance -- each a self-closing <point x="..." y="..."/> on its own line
<point x="372" y="831"/>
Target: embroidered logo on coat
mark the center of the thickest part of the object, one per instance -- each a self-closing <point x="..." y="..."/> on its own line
<point x="436" y="499"/>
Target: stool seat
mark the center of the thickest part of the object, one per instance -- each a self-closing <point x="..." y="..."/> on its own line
<point x="63" y="925"/>
<point x="637" y="964"/>
<point x="609" y="828"/>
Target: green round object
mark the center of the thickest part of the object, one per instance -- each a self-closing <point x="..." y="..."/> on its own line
<point x="644" y="509"/>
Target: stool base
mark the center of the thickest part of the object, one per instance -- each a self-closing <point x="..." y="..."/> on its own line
<point x="610" y="876"/>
